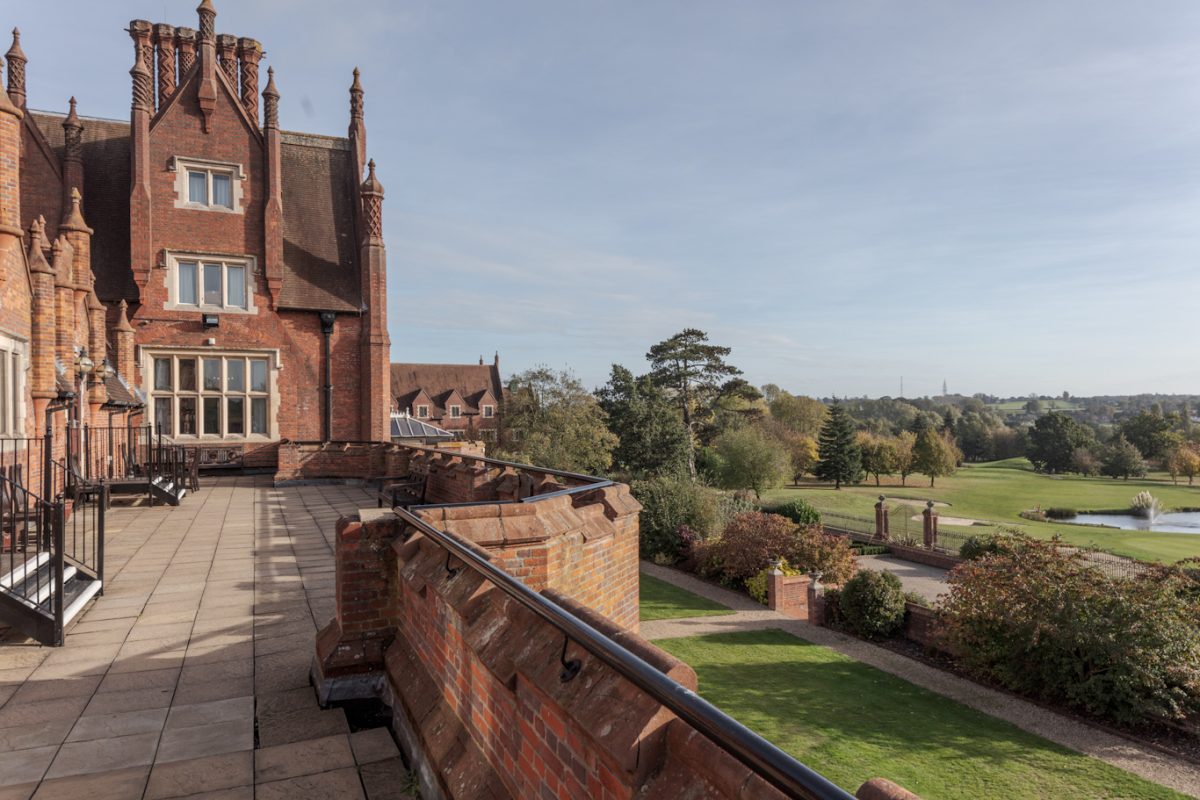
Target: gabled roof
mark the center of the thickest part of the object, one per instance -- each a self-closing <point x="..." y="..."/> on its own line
<point x="406" y="427"/>
<point x="120" y="393"/>
<point x="471" y="381"/>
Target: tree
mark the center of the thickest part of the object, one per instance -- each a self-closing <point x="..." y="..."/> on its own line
<point x="801" y="414"/>
<point x="751" y="460"/>
<point x="934" y="455"/>
<point x="975" y="438"/>
<point x="841" y="461"/>
<point x="690" y="367"/>
<point x="652" y="439"/>
<point x="805" y="455"/>
<point x="1122" y="459"/>
<point x="1053" y="440"/>
<point x="1151" y="433"/>
<point x="905" y="445"/>
<point x="878" y="455"/>
<point x="1184" y="460"/>
<point x="553" y="421"/>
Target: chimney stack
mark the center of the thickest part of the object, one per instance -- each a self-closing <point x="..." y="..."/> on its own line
<point x="273" y="213"/>
<point x="16" y="70"/>
<point x="72" y="158"/>
<point x="358" y="129"/>
<point x="249" y="54"/>
<point x="207" y="93"/>
<point x="227" y="47"/>
<point x="185" y="45"/>
<point x="10" y="186"/>
<point x="164" y="40"/>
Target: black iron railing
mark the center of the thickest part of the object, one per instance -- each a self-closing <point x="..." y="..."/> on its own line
<point x="772" y="764"/>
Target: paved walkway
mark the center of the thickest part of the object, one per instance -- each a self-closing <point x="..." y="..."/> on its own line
<point x="926" y="581"/>
<point x="1147" y="762"/>
<point x="189" y="677"/>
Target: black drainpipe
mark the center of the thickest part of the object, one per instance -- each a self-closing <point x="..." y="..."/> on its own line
<point x="327" y="318"/>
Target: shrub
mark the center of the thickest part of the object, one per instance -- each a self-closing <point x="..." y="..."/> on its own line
<point x="818" y="551"/>
<point x="750" y="542"/>
<point x="688" y="541"/>
<point x="667" y="503"/>
<point x="873" y="603"/>
<point x="917" y="599"/>
<point x="1124" y="649"/>
<point x="1060" y="513"/>
<point x="1002" y="540"/>
<point x="800" y="512"/>
<point x="869" y="549"/>
<point x="757" y="586"/>
<point x="833" y="607"/>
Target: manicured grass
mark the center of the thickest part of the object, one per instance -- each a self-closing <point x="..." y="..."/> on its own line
<point x="852" y="722"/>
<point x="661" y="600"/>
<point x="1000" y="490"/>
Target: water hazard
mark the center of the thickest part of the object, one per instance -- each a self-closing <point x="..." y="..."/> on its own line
<point x="1170" y="522"/>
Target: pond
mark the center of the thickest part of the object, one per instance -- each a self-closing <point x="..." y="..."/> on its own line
<point x="1172" y="522"/>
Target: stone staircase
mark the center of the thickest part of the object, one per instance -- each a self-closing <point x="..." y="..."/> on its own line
<point x="303" y="751"/>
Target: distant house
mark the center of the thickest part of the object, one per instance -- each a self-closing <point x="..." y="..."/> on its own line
<point x="407" y="430"/>
<point x="463" y="398"/>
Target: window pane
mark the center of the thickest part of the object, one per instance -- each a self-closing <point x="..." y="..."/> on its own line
<point x="236" y="423"/>
<point x="258" y="415"/>
<point x="212" y="374"/>
<point x="162" y="415"/>
<point x="222" y="188"/>
<point x="235" y="280"/>
<point x="197" y="187"/>
<point x="212" y="415"/>
<point x="235" y="375"/>
<point x="187" y="282"/>
<point x="258" y="375"/>
<point x="162" y="374"/>
<point x="187" y="415"/>
<point x="187" y="375"/>
<point x="212" y="284"/>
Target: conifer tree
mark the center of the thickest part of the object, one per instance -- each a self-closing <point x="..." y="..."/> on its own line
<point x="841" y="460"/>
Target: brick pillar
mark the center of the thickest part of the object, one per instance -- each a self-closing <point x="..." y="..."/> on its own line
<point x="273" y="214"/>
<point x="62" y="256"/>
<point x="97" y="349"/>
<point x="788" y="594"/>
<point x="816" y="602"/>
<point x="206" y="93"/>
<point x="43" y="313"/>
<point x="124" y="341"/>
<point x="72" y="158"/>
<point x="930" y="525"/>
<point x="881" y="519"/>
<point x="185" y="39"/>
<point x="375" y="344"/>
<point x="16" y="71"/>
<point x="350" y="649"/>
<point x="142" y="107"/>
<point x="10" y="171"/>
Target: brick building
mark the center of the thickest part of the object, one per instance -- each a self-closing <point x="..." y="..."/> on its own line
<point x="229" y="273"/>
<point x="462" y="398"/>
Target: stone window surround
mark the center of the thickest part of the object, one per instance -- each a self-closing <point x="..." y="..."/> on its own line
<point x="422" y="412"/>
<point x="455" y="411"/>
<point x="180" y="166"/>
<point x="171" y="260"/>
<point x="146" y="356"/>
<point x="12" y="420"/>
<point x="488" y="411"/>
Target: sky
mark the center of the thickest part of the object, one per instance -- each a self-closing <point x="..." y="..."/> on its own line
<point x="1001" y="196"/>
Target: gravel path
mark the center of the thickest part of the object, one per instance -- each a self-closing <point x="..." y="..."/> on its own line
<point x="1146" y="762"/>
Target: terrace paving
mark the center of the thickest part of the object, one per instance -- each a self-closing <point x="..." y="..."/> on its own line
<point x="189" y="677"/>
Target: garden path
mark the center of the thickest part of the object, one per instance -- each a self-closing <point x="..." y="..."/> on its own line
<point x="925" y="580"/>
<point x="1142" y="760"/>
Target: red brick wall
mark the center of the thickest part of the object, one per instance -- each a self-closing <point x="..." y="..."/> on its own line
<point x="788" y="594"/>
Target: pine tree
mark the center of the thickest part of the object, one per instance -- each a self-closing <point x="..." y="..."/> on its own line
<point x="841" y="460"/>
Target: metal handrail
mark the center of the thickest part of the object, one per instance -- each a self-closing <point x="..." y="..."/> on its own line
<point x="773" y="764"/>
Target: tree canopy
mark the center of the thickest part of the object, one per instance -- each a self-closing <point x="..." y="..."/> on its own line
<point x="841" y="460"/>
<point x="551" y="420"/>
<point x="751" y="460"/>
<point x="649" y="429"/>
<point x="1053" y="440"/>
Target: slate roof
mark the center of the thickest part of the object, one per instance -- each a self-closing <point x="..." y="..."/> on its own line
<point x="406" y="427"/>
<point x="320" y="255"/>
<point x="121" y="393"/>
<point x="440" y="380"/>
<point x="105" y="198"/>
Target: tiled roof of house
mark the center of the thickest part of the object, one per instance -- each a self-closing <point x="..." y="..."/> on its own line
<point x="320" y="257"/>
<point x="121" y="393"/>
<point x="439" y="381"/>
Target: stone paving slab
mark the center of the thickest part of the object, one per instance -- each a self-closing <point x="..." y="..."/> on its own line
<point x="208" y="620"/>
<point x="1146" y="762"/>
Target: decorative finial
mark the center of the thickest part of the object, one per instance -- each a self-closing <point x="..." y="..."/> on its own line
<point x="356" y="97"/>
<point x="143" y="96"/>
<point x="123" y="317"/>
<point x="37" y="258"/>
<point x="208" y="21"/>
<point x="270" y="101"/>
<point x="73" y="219"/>
<point x="16" y="69"/>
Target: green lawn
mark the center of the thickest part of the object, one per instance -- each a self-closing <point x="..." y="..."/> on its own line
<point x="852" y="722"/>
<point x="661" y="600"/>
<point x="1000" y="490"/>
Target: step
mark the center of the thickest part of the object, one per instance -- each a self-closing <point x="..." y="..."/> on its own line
<point x="39" y="587"/>
<point x="21" y="571"/>
<point x="77" y="596"/>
